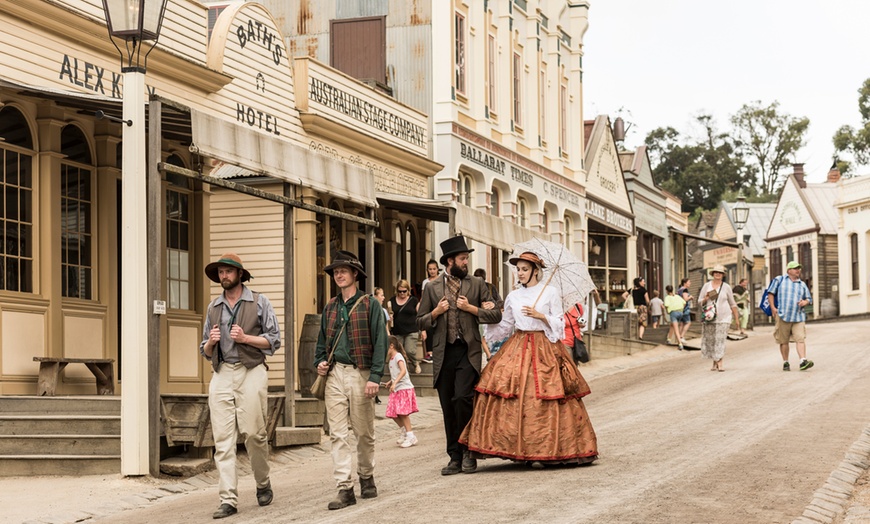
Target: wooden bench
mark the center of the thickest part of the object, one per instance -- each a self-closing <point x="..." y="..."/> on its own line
<point x="50" y="368"/>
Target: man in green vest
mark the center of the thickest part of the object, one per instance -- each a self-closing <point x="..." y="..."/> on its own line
<point x="351" y="351"/>
<point x="240" y="330"/>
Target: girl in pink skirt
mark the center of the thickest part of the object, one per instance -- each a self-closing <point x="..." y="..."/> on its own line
<point x="403" y="400"/>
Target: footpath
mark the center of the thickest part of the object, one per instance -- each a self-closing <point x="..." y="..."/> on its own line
<point x="843" y="499"/>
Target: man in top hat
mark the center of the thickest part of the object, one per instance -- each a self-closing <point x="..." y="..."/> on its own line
<point x="788" y="295"/>
<point x="240" y="330"/>
<point x="354" y="328"/>
<point x="452" y="307"/>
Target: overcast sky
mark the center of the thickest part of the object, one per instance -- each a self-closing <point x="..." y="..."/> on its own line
<point x="668" y="60"/>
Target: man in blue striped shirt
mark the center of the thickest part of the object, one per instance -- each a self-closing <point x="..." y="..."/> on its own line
<point x="789" y="313"/>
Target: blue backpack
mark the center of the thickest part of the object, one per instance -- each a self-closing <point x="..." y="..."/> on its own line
<point x="765" y="303"/>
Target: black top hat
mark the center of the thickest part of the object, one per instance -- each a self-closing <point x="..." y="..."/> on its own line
<point x="452" y="247"/>
<point x="231" y="260"/>
<point x="346" y="258"/>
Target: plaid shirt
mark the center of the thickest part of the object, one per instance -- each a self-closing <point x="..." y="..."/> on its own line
<point x="363" y="344"/>
<point x="788" y="294"/>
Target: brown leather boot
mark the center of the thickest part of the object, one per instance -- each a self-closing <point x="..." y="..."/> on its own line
<point x="367" y="488"/>
<point x="344" y="499"/>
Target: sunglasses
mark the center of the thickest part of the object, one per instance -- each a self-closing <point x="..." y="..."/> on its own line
<point x="402" y="290"/>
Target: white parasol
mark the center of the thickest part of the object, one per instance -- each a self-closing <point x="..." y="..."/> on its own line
<point x="565" y="272"/>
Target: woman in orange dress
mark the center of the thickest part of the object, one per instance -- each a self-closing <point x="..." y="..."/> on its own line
<point x="528" y="406"/>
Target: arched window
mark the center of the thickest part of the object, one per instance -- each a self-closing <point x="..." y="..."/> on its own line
<point x="179" y="195"/>
<point x="522" y="212"/>
<point x="545" y="221"/>
<point x="495" y="203"/>
<point x="76" y="187"/>
<point x="400" y="252"/>
<point x="410" y="251"/>
<point x="16" y="213"/>
<point x="569" y="233"/>
<point x="465" y="190"/>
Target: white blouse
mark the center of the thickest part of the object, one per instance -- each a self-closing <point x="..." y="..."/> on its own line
<point x="724" y="302"/>
<point x="550" y="304"/>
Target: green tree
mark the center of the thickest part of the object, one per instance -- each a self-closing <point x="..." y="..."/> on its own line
<point x="770" y="138"/>
<point x="699" y="170"/>
<point x="856" y="141"/>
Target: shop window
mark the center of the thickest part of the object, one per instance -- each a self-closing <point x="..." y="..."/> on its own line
<point x="775" y="263"/>
<point x="853" y="257"/>
<point x="179" y="194"/>
<point x="76" y="184"/>
<point x="459" y="51"/>
<point x="649" y="260"/>
<point x="16" y="205"/>
<point x="495" y="203"/>
<point x="607" y="267"/>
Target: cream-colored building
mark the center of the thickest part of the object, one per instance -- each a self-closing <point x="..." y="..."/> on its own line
<point x="853" y="232"/>
<point x="238" y="116"/>
<point x="804" y="229"/>
<point x="502" y="83"/>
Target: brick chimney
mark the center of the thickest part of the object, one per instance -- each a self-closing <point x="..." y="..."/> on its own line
<point x="799" y="174"/>
<point x="833" y="174"/>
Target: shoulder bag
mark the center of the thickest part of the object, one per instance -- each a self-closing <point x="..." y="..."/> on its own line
<point x="318" y="388"/>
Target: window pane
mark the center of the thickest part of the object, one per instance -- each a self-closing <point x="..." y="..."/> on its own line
<point x="184" y="298"/>
<point x="184" y="265"/>
<point x="11" y="203"/>
<point x="173" y="294"/>
<point x="12" y="239"/>
<point x="12" y="273"/>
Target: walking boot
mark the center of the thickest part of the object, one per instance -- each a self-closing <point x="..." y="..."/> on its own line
<point x="264" y="495"/>
<point x="344" y="499"/>
<point x="469" y="463"/>
<point x="367" y="488"/>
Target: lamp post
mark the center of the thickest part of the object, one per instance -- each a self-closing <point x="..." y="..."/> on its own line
<point x="740" y="211"/>
<point x="134" y="22"/>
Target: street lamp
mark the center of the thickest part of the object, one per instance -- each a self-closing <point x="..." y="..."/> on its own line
<point x="740" y="212"/>
<point x="134" y="22"/>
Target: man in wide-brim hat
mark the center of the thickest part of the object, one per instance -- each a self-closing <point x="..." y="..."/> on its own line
<point x="452" y="307"/>
<point x="353" y="327"/>
<point x="240" y="330"/>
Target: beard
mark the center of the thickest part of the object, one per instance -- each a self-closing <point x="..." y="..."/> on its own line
<point x="230" y="283"/>
<point x="458" y="272"/>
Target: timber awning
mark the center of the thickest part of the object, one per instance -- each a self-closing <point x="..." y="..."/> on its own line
<point x="488" y="229"/>
<point x="672" y="229"/>
<point x="255" y="151"/>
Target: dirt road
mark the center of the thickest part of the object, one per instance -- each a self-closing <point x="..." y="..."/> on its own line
<point x="678" y="444"/>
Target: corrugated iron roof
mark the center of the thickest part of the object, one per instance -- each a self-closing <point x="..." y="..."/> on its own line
<point x="756" y="226"/>
<point x="821" y="199"/>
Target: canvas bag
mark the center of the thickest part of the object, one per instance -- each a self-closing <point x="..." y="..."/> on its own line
<point x="318" y="388"/>
<point x="764" y="305"/>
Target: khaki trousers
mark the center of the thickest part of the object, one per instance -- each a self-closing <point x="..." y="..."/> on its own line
<point x="347" y="405"/>
<point x="237" y="400"/>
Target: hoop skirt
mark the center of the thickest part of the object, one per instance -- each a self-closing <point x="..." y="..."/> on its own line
<point x="528" y="405"/>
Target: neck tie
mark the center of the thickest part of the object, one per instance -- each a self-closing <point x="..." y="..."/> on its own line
<point x="452" y="286"/>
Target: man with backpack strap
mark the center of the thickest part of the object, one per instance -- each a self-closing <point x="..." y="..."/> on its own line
<point x="787" y="296"/>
